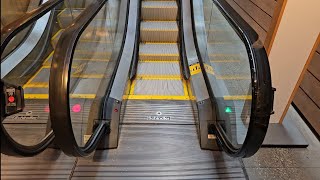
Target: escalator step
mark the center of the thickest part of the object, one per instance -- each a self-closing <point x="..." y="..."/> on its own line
<point x="159" y="31"/>
<point x="159" y="51"/>
<point x="159" y="68"/>
<point x="159" y="10"/>
<point x="159" y="87"/>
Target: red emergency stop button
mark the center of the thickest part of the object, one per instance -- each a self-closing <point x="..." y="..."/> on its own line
<point x="11" y="99"/>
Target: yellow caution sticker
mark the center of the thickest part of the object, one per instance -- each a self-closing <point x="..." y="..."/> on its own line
<point x="209" y="69"/>
<point x="86" y="137"/>
<point x="211" y="136"/>
<point x="195" y="69"/>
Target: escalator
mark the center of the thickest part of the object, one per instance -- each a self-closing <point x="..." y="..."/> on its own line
<point x="154" y="80"/>
<point x="28" y="132"/>
<point x="185" y="69"/>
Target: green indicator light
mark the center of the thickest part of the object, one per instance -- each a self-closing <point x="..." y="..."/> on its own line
<point x="228" y="109"/>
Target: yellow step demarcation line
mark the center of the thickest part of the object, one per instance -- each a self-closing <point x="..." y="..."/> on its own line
<point x="37" y="85"/>
<point x="237" y="97"/>
<point x="158" y="29"/>
<point x="162" y="55"/>
<point x="132" y="96"/>
<point x="45" y="62"/>
<point x="46" y="96"/>
<point x="170" y="43"/>
<point x="156" y="97"/>
<point x="160" y="7"/>
<point x="158" y="77"/>
<point x="55" y="36"/>
<point x="159" y="21"/>
<point x="159" y="61"/>
<point x="32" y="77"/>
<point x="91" y="52"/>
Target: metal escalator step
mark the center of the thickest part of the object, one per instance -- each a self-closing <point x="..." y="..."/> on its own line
<point x="51" y="164"/>
<point x="159" y="31"/>
<point x="159" y="51"/>
<point x="156" y="68"/>
<point x="156" y="87"/>
<point x="159" y="10"/>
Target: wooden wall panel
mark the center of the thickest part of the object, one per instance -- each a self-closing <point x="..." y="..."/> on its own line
<point x="309" y="110"/>
<point x="257" y="13"/>
<point x="314" y="66"/>
<point x="307" y="99"/>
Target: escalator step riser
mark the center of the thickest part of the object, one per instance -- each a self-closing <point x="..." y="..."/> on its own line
<point x="159" y="36"/>
<point x="159" y="14"/>
<point x="159" y="69"/>
<point x="159" y="10"/>
<point x="159" y="52"/>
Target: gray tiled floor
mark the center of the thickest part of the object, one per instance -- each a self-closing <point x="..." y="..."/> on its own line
<point x="287" y="163"/>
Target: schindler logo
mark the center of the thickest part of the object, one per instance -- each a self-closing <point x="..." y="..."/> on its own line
<point x="157" y="118"/>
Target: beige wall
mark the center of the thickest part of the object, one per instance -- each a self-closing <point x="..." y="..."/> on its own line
<point x="296" y="35"/>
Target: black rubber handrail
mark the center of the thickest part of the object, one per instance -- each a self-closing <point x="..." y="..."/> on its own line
<point x="60" y="74"/>
<point x="262" y="91"/>
<point x="12" y="29"/>
<point x="8" y="145"/>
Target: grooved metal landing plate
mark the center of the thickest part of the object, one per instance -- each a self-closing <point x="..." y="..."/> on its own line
<point x="51" y="164"/>
<point x="145" y="151"/>
<point x="158" y="152"/>
<point x="159" y="112"/>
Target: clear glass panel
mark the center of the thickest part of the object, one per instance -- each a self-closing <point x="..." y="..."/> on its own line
<point x="11" y="11"/>
<point x="91" y="70"/>
<point x="29" y="66"/>
<point x="229" y="72"/>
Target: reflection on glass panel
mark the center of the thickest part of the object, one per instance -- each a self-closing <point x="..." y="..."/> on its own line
<point x="230" y="74"/>
<point x="29" y="66"/>
<point x="91" y="69"/>
<point x="11" y="11"/>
